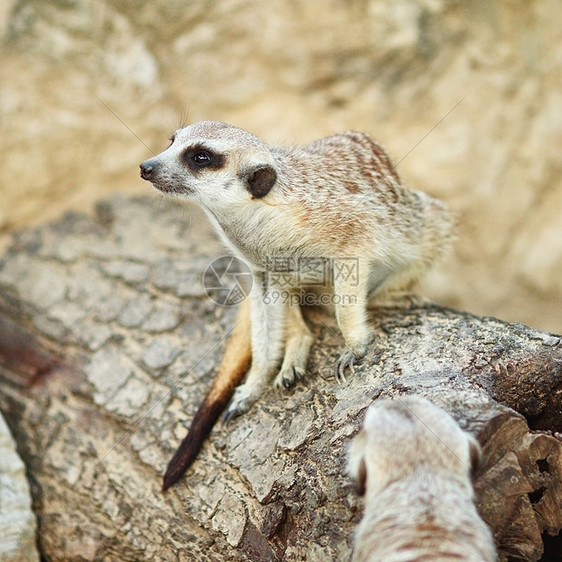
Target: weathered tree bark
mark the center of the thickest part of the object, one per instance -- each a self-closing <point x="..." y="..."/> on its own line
<point x="113" y="343"/>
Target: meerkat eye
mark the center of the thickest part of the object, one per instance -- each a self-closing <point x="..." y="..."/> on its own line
<point x="198" y="157"/>
<point x="202" y="158"/>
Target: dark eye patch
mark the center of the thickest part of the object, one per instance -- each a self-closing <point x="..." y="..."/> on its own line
<point x="197" y="158"/>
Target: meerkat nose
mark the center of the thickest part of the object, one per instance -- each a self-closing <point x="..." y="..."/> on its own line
<point x="146" y="169"/>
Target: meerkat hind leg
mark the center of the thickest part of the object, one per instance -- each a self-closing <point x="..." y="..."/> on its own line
<point x="297" y="349"/>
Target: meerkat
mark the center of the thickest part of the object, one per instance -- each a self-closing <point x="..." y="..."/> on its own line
<point x="419" y="500"/>
<point x="336" y="201"/>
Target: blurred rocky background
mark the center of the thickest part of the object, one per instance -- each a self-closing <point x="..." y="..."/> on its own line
<point x="466" y="96"/>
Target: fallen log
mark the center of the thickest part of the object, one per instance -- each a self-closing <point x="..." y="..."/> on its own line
<point x="121" y="344"/>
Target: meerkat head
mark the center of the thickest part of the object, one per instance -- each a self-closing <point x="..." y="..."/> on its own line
<point x="406" y="434"/>
<point x="213" y="163"/>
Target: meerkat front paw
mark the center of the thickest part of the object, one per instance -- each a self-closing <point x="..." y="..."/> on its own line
<point x="244" y="397"/>
<point x="297" y="350"/>
<point x="288" y="377"/>
<point x="356" y="348"/>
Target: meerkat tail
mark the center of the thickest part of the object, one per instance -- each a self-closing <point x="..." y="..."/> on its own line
<point x="234" y="364"/>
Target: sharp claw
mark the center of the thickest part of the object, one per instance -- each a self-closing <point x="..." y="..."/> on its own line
<point x="287" y="383"/>
<point x="346" y="360"/>
<point x="229" y="415"/>
<point x="340" y="375"/>
<point x="299" y="374"/>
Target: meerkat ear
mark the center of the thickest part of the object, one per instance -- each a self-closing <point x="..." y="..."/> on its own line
<point x="259" y="180"/>
<point x="356" y="466"/>
<point x="360" y="480"/>
<point x="475" y="453"/>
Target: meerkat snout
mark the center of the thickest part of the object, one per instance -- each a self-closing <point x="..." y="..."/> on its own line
<point x="146" y="169"/>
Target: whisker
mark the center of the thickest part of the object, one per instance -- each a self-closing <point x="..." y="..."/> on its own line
<point x="125" y="124"/>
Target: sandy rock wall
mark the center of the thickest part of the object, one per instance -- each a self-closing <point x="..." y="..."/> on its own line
<point x="465" y="95"/>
